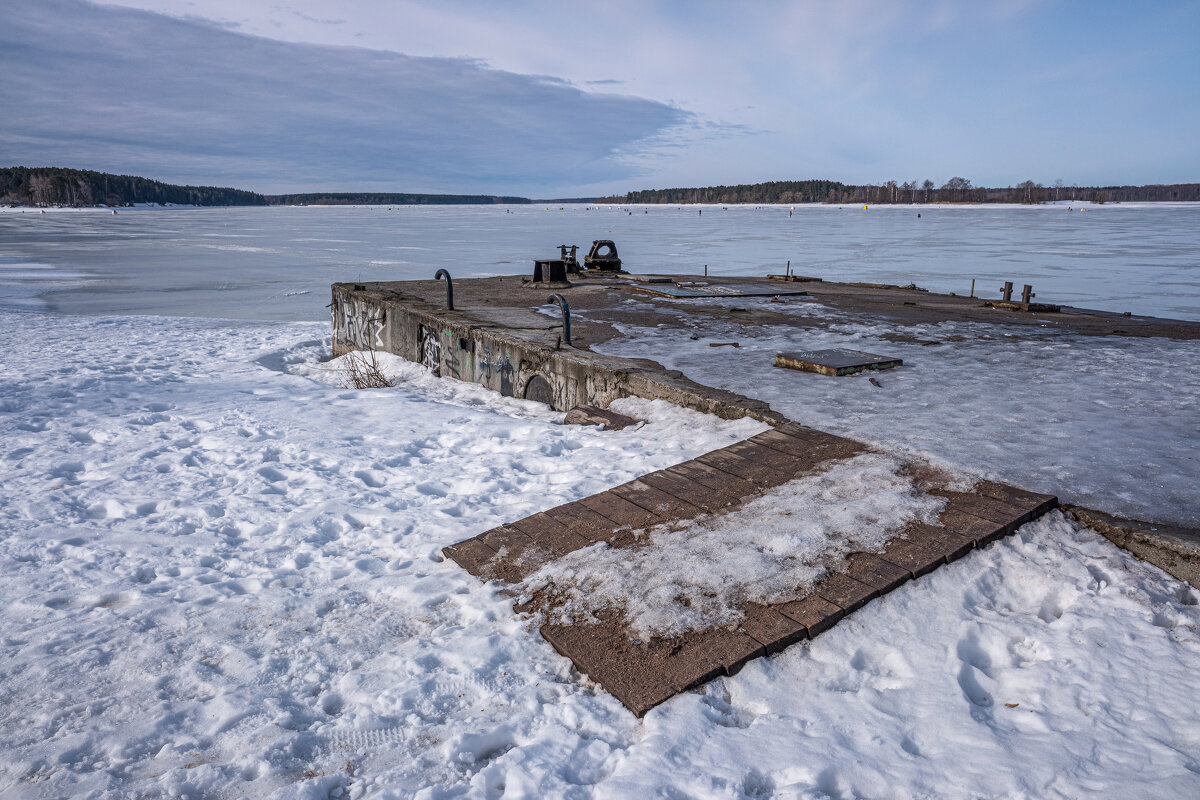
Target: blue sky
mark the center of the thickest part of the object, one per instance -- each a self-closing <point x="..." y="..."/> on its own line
<point x="560" y="99"/>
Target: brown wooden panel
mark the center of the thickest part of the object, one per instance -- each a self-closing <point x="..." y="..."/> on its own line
<point x="517" y="556"/>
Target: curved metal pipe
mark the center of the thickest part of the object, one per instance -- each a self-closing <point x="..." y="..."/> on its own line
<point x="441" y="273"/>
<point x="566" y="312"/>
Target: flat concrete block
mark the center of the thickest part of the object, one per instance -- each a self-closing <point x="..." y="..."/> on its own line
<point x="472" y="555"/>
<point x="550" y="534"/>
<point x="808" y="453"/>
<point x="606" y="655"/>
<point x="656" y="500"/>
<point x="760" y="465"/>
<point x="835" y="361"/>
<point x="770" y="628"/>
<point x="1033" y="503"/>
<point x="845" y="592"/>
<point x="882" y="576"/>
<point x="593" y="415"/>
<point x="975" y="529"/>
<point x="815" y="613"/>
<point x="620" y="510"/>
<point x="716" y="479"/>
<point x="698" y="495"/>
<point x="581" y="520"/>
<point x="517" y="556"/>
<point x="919" y="552"/>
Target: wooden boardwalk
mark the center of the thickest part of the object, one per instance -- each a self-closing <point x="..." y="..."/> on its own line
<point x="642" y="674"/>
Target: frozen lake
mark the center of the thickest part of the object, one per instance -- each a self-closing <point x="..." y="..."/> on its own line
<point x="277" y="263"/>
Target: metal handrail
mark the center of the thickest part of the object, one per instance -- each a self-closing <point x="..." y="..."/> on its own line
<point x="441" y="273"/>
<point x="566" y="313"/>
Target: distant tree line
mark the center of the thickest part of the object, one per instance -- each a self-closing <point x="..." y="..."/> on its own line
<point x="56" y="186"/>
<point x="386" y="199"/>
<point x="955" y="190"/>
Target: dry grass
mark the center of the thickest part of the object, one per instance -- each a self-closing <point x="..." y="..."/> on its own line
<point x="363" y="371"/>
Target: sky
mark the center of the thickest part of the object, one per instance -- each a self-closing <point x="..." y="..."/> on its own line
<point x="554" y="99"/>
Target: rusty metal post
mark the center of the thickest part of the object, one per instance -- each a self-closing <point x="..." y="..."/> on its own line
<point x="1027" y="294"/>
<point x="566" y="315"/>
<point x="441" y="273"/>
<point x="1006" y="292"/>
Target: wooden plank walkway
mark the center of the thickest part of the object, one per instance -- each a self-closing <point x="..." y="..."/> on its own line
<point x="642" y="674"/>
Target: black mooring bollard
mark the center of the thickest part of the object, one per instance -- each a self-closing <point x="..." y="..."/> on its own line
<point x="441" y="273"/>
<point x="566" y="312"/>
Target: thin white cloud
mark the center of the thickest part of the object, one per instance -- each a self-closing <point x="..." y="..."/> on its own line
<point x="112" y="88"/>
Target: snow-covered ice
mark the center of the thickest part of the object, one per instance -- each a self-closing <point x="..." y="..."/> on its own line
<point x="1106" y="422"/>
<point x="220" y="570"/>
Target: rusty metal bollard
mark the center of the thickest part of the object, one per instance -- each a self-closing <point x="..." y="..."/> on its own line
<point x="1006" y="292"/>
<point x="1027" y="294"/>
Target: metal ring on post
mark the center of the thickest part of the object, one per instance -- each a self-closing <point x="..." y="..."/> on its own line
<point x="566" y="314"/>
<point x="441" y="273"/>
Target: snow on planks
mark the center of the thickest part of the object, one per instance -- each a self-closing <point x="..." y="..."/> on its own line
<point x="643" y="673"/>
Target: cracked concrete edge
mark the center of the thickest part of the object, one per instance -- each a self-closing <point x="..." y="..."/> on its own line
<point x="1172" y="549"/>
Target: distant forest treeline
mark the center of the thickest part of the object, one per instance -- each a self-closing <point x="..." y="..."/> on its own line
<point x="955" y="190"/>
<point x="384" y="199"/>
<point x="55" y="186"/>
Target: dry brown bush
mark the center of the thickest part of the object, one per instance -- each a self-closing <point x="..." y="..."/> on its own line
<point x="363" y="371"/>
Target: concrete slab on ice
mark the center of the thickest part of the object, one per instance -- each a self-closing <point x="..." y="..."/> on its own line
<point x="834" y="361"/>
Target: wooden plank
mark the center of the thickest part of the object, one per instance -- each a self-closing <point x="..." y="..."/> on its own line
<point x="517" y="556"/>
<point x="761" y="465"/>
<point x="632" y="673"/>
<point x="809" y="452"/>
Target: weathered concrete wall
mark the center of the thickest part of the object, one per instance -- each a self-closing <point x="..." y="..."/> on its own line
<point x="1175" y="551"/>
<point x="515" y="352"/>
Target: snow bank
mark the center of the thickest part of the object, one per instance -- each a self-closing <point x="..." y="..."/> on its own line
<point x="222" y="578"/>
<point x="773" y="548"/>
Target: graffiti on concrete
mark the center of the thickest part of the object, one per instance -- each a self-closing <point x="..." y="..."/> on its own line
<point x="358" y="325"/>
<point x="429" y="349"/>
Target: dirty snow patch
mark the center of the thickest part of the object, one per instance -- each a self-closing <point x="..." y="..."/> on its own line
<point x="697" y="574"/>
